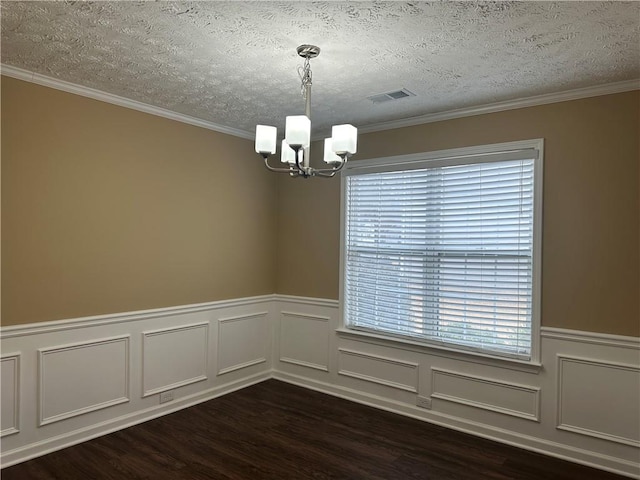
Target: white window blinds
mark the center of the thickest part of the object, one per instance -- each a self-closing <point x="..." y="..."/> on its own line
<point x="444" y="254"/>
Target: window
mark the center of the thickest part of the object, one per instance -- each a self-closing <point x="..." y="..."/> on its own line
<point x="443" y="248"/>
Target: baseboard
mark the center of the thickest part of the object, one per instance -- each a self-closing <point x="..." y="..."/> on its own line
<point x="69" y="439"/>
<point x="564" y="452"/>
<point x="584" y="457"/>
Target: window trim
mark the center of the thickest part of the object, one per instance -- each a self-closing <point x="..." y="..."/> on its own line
<point x="482" y="153"/>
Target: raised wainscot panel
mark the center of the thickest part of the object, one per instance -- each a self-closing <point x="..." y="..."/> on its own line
<point x="174" y="357"/>
<point x="83" y="377"/>
<point x="304" y="340"/>
<point x="10" y="394"/>
<point x="243" y="341"/>
<point x="386" y="371"/>
<point x="497" y="396"/>
<point x="599" y="399"/>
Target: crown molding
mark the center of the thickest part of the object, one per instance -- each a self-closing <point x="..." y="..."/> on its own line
<point x="76" y="89"/>
<point x="534" y="101"/>
<point x="567" y="95"/>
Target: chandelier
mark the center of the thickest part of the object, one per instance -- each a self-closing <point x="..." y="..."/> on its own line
<point x="297" y="138"/>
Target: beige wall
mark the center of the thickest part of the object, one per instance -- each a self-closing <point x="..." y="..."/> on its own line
<point x="591" y="263"/>
<point x="106" y="209"/>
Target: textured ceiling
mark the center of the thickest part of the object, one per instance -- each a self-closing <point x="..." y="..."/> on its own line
<point x="234" y="63"/>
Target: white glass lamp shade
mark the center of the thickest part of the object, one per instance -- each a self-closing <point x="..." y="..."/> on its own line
<point x="287" y="154"/>
<point x="297" y="131"/>
<point x="344" y="139"/>
<point x="266" y="139"/>
<point x="329" y="155"/>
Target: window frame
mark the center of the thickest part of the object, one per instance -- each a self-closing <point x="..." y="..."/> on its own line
<point x="438" y="158"/>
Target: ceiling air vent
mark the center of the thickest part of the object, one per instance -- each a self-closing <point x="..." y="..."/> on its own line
<point x="395" y="95"/>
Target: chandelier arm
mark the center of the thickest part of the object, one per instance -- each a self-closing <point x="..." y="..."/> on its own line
<point x="298" y="166"/>
<point x="272" y="169"/>
<point x="321" y="174"/>
<point x="332" y="170"/>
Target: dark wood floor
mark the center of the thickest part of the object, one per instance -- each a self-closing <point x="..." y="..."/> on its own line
<point x="274" y="430"/>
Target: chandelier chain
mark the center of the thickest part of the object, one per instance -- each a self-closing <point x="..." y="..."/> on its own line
<point x="304" y="72"/>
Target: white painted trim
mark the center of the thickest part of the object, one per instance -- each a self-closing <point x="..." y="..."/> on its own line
<point x="378" y="380"/>
<point x="619" y="341"/>
<point x="535" y="416"/>
<point x="447" y="156"/>
<point x="182" y="383"/>
<point x="302" y="363"/>
<point x="439" y="351"/>
<point x="67" y="439"/>
<point x="317" y="318"/>
<point x="593" y="433"/>
<point x="16" y="394"/>
<point x="108" y="319"/>
<point x="594" y="456"/>
<point x="576" y="94"/>
<point x="43" y="352"/>
<point x="249" y="363"/>
<point x="393" y="361"/>
<point x="568" y="95"/>
<point x="527" y="442"/>
<point x="95" y="94"/>
<point x="319" y="302"/>
<point x="560" y="425"/>
<point x="536" y="273"/>
<point x="162" y="331"/>
<point x="240" y="366"/>
<point x="239" y="318"/>
<point x="530" y="148"/>
<point x="574" y="449"/>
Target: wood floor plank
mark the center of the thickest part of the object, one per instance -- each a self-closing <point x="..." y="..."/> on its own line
<point x="277" y="431"/>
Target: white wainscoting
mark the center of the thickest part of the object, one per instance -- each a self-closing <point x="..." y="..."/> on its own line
<point x="540" y="408"/>
<point x="10" y="394"/>
<point x="585" y="407"/>
<point x="243" y="341"/>
<point x="583" y="398"/>
<point x="83" y="377"/>
<point x="186" y="363"/>
<point x="378" y="369"/>
<point x="304" y="340"/>
<point x="77" y="379"/>
<point x="487" y="394"/>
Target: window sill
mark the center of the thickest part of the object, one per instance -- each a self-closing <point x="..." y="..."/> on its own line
<point x="461" y="355"/>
